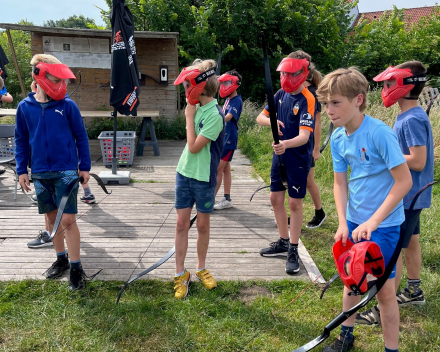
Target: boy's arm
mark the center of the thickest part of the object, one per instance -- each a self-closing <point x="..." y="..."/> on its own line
<point x="416" y="160"/>
<point x="21" y="143"/>
<point x="340" y="192"/>
<point x="81" y="138"/>
<point x="317" y="137"/>
<point x="416" y="138"/>
<point x="402" y="185"/>
<point x="7" y="98"/>
<point x="228" y="117"/>
<point x="263" y="119"/>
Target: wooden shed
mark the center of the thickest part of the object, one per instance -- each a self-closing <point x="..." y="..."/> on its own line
<point x="88" y="51"/>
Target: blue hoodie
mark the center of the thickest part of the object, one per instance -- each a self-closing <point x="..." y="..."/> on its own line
<point x="56" y="136"/>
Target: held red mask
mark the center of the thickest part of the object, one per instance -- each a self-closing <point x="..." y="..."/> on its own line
<point x="194" y="83"/>
<point x="355" y="261"/>
<point x="55" y="90"/>
<point x="405" y="81"/>
<point x="293" y="73"/>
<point x="228" y="84"/>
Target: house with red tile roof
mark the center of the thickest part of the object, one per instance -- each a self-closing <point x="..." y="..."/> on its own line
<point x="412" y="15"/>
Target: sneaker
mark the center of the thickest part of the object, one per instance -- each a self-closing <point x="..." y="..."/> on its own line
<point x="292" y="262"/>
<point x="276" y="249"/>
<point x="58" y="267"/>
<point x="2" y="171"/>
<point x="206" y="278"/>
<point x="34" y="198"/>
<point x="90" y="199"/>
<point x="340" y="346"/>
<point x="182" y="285"/>
<point x="317" y="221"/>
<point x="77" y="279"/>
<point x="42" y="240"/>
<point x="288" y="222"/>
<point x="405" y="298"/>
<point x="223" y="204"/>
<point x="370" y="317"/>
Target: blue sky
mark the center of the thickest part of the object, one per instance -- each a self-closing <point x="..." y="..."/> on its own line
<point x="41" y="11"/>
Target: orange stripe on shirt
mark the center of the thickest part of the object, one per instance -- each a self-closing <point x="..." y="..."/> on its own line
<point x="311" y="101"/>
<point x="306" y="128"/>
<point x="266" y="112"/>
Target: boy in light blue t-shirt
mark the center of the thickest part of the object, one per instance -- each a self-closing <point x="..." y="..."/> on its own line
<point x="368" y="204"/>
<point x="403" y="84"/>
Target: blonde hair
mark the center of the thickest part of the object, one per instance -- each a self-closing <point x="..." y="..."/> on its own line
<point x="348" y="82"/>
<point x="314" y="77"/>
<point x="47" y="59"/>
<point x="2" y="83"/>
<point x="212" y="83"/>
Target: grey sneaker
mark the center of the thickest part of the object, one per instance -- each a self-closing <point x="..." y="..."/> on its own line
<point x="276" y="249"/>
<point x="223" y="204"/>
<point x="90" y="199"/>
<point x="34" y="198"/>
<point x="405" y="298"/>
<point x="42" y="240"/>
<point x="370" y="317"/>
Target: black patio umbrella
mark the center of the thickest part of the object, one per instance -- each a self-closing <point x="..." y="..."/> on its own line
<point x="124" y="83"/>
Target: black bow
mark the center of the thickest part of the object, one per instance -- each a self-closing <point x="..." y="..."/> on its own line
<point x="327" y="137"/>
<point x="369" y="294"/>
<point x="156" y="265"/>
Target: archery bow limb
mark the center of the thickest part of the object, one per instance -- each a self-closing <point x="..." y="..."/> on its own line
<point x="370" y="294"/>
<point x="327" y="137"/>
<point x="157" y="264"/>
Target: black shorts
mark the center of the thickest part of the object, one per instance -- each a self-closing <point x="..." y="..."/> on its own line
<point x="296" y="180"/>
<point x="411" y="225"/>
<point x="227" y="154"/>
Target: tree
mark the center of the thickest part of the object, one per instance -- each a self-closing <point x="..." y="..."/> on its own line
<point x="73" y="22"/>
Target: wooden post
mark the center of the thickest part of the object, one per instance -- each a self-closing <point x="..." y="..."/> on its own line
<point x="14" y="57"/>
<point x="178" y="86"/>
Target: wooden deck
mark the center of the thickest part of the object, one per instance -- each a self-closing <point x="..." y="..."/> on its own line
<point x="116" y="232"/>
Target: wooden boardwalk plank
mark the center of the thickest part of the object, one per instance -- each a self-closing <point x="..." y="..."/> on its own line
<point x="116" y="232"/>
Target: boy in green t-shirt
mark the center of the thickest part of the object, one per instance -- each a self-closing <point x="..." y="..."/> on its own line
<point x="196" y="177"/>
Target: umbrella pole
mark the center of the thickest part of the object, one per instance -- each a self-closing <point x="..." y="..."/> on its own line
<point x="115" y="152"/>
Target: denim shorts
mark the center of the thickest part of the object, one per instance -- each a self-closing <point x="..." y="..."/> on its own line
<point x="190" y="191"/>
<point x="385" y="237"/>
<point x="50" y="188"/>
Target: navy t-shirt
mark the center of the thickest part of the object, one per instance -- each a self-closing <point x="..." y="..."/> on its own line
<point x="296" y="112"/>
<point x="234" y="107"/>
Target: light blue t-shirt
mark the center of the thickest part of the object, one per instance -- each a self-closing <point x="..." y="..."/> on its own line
<point x="371" y="152"/>
<point x="414" y="129"/>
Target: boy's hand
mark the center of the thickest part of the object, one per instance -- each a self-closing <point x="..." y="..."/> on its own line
<point x="190" y="110"/>
<point x="280" y="148"/>
<point x="280" y="124"/>
<point x="316" y="154"/>
<point x="85" y="175"/>
<point x="24" y="182"/>
<point x="342" y="234"/>
<point x="363" y="231"/>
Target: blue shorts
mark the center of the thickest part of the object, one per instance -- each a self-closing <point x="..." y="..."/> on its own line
<point x="411" y="225"/>
<point x="296" y="180"/>
<point x="190" y="191"/>
<point x="227" y="154"/>
<point x="385" y="237"/>
<point x="50" y="188"/>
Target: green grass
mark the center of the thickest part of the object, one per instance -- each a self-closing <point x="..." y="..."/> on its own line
<point x="43" y="316"/>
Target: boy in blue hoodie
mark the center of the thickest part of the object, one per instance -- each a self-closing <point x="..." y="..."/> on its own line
<point x="50" y="127"/>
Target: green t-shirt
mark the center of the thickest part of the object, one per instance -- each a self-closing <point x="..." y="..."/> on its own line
<point x="208" y="122"/>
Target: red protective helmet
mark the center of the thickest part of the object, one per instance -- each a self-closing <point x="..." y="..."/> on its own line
<point x="288" y="67"/>
<point x="55" y="90"/>
<point x="194" y="82"/>
<point x="228" y="84"/>
<point x="405" y="81"/>
<point x="355" y="261"/>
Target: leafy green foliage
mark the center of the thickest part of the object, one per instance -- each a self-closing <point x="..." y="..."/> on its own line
<point x="22" y="47"/>
<point x="390" y="40"/>
<point x="73" y="22"/>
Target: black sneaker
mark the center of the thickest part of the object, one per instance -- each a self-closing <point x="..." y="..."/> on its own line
<point x="42" y="240"/>
<point x="77" y="279"/>
<point x="2" y="171"/>
<point x="90" y="199"/>
<point x="317" y="220"/>
<point x="405" y="298"/>
<point x="340" y="346"/>
<point x="276" y="249"/>
<point x="292" y="262"/>
<point x="58" y="267"/>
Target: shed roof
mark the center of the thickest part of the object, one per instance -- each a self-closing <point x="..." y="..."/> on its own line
<point x="86" y="32"/>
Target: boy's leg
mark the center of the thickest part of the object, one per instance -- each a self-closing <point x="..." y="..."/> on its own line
<point x="313" y="189"/>
<point x="389" y="314"/>
<point x="181" y="237"/>
<point x="296" y="219"/>
<point x="72" y="236"/>
<point x="227" y="178"/>
<point x="220" y="168"/>
<point x="203" y="223"/>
